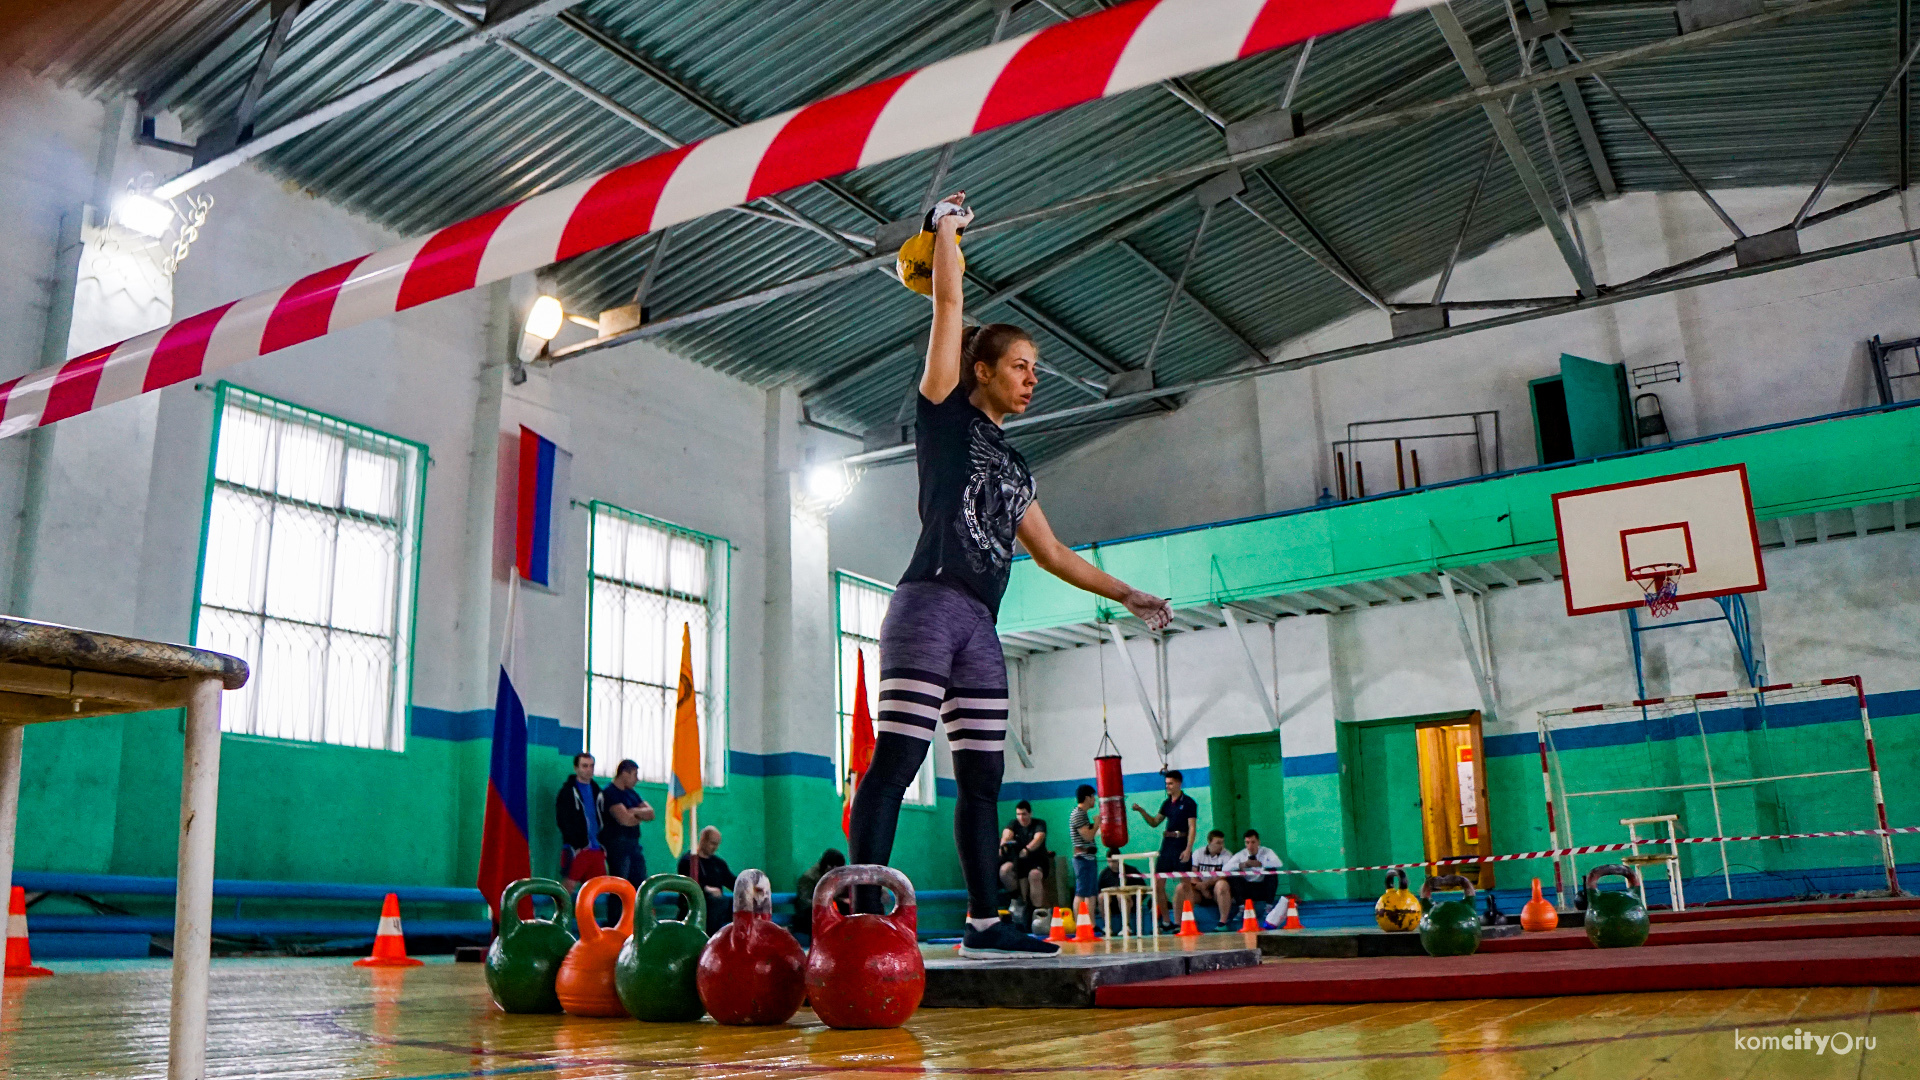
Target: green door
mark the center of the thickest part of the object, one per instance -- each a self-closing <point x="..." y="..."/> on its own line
<point x="1382" y="766"/>
<point x="1595" y="399"/>
<point x="1247" y="789"/>
<point x="1259" y="794"/>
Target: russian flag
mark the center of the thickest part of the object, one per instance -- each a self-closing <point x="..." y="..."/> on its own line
<point x="504" y="855"/>
<point x="543" y="468"/>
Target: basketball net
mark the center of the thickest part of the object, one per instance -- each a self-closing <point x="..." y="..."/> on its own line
<point x="1661" y="584"/>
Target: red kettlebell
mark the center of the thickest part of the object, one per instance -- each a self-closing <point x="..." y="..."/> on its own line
<point x="752" y="972"/>
<point x="865" y="971"/>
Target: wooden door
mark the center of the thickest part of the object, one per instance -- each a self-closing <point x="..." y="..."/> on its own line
<point x="1453" y="796"/>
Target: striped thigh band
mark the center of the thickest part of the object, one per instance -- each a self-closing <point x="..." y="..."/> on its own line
<point x="910" y="702"/>
<point x="976" y="719"/>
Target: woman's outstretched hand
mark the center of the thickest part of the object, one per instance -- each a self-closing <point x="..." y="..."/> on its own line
<point x="1149" y="608"/>
<point x="952" y="221"/>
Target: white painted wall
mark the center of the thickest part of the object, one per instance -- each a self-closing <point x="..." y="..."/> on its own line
<point x="648" y="430"/>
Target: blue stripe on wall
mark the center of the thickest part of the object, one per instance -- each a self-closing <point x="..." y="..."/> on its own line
<point x="432" y="723"/>
<point x="1310" y="765"/>
<point x="789" y="763"/>
<point x="1719" y="721"/>
<point x="453" y="726"/>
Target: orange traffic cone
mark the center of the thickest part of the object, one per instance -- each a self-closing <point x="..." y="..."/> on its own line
<point x="1058" y="931"/>
<point x="1083" y="923"/>
<point x="19" y="953"/>
<point x="1188" y="928"/>
<point x="1293" y="915"/>
<point x="389" y="944"/>
<point x="1249" y="923"/>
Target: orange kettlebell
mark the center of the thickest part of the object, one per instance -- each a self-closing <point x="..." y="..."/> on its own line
<point x="1538" y="914"/>
<point x="585" y="983"/>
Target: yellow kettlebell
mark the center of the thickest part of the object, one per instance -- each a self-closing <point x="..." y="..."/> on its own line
<point x="1397" y="911"/>
<point x="915" y="262"/>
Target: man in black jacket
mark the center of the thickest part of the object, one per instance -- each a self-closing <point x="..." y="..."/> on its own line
<point x="576" y="810"/>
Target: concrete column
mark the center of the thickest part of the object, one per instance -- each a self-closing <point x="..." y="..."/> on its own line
<point x="799" y="667"/>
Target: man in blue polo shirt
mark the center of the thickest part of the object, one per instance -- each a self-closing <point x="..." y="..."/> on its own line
<point x="1176" y="845"/>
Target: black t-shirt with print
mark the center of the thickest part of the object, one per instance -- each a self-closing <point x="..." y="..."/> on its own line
<point x="974" y="488"/>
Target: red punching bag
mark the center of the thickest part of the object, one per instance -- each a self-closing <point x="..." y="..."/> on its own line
<point x="1110" y="788"/>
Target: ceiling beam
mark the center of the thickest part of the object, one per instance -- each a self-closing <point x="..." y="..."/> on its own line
<point x="1605" y="299"/>
<point x="1253" y="351"/>
<point x="1188" y="175"/>
<point x="1510" y="141"/>
<point x="1576" y="106"/>
<point x="364" y="94"/>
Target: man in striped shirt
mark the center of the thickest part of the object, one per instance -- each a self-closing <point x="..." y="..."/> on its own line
<point x="1086" y="856"/>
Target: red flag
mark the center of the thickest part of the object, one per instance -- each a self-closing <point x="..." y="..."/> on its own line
<point x="860" y="746"/>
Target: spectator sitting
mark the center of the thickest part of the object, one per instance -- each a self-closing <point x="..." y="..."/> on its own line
<point x="1247" y="884"/>
<point x="1086" y="851"/>
<point x="711" y="873"/>
<point x="576" y="810"/>
<point x="1024" y="861"/>
<point x="1208" y="861"/>
<point x="622" y="811"/>
<point x="1110" y="878"/>
<point x="802" y="925"/>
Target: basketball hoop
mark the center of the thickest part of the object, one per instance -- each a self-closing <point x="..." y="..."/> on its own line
<point x="1661" y="584"/>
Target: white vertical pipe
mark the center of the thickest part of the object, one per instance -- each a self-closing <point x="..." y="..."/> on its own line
<point x="11" y="738"/>
<point x="193" y="893"/>
<point x="1140" y="688"/>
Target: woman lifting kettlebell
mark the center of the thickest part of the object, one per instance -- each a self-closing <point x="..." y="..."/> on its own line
<point x="940" y="658"/>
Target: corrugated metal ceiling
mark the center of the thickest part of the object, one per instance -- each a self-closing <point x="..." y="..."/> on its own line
<point x="1768" y="108"/>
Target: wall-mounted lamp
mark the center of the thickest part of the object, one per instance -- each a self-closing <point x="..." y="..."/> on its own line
<point x="543" y="322"/>
<point x="143" y="214"/>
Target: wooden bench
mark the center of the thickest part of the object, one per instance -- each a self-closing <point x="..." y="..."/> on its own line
<point x="51" y="673"/>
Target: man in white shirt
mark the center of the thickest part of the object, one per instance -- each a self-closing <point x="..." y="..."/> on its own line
<point x="1248" y="883"/>
<point x="1209" y="864"/>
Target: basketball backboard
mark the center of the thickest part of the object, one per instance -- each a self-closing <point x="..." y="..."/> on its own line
<point x="1700" y="521"/>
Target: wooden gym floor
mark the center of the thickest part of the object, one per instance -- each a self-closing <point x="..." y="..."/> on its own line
<point x="305" y="1018"/>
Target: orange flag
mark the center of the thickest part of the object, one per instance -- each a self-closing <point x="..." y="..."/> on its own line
<point x="683" y="786"/>
<point x="860" y="746"/>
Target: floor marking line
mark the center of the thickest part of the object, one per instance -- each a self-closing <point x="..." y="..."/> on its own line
<point x="327" y="1022"/>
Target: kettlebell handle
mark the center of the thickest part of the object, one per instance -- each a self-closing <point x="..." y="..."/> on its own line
<point x="646" y="920"/>
<point x="590" y="928"/>
<point x="752" y="894"/>
<point x="1401" y="874"/>
<point x="1628" y="872"/>
<point x="511" y="896"/>
<point x="842" y="878"/>
<point x="1445" y="881"/>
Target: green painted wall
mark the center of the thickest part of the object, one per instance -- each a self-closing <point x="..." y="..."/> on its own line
<point x="1335" y="819"/>
<point x="1828" y="464"/>
<point x="102" y="796"/>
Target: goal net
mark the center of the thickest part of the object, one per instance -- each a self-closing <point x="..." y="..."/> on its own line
<point x="1774" y="764"/>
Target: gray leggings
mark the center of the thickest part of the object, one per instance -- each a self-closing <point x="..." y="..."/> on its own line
<point x="940" y="660"/>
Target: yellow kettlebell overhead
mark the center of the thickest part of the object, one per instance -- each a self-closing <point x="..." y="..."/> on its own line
<point x="915" y="263"/>
<point x="1397" y="911"/>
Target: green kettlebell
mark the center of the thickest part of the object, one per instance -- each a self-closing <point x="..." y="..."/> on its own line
<point x="1616" y="920"/>
<point x="656" y="974"/>
<point x="525" y="958"/>
<point x="1451" y="927"/>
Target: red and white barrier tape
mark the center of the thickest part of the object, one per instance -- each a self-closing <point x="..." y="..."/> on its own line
<point x="1589" y="849"/>
<point x="1116" y="50"/>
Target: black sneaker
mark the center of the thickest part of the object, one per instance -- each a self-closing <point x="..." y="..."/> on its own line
<point x="1004" y="940"/>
